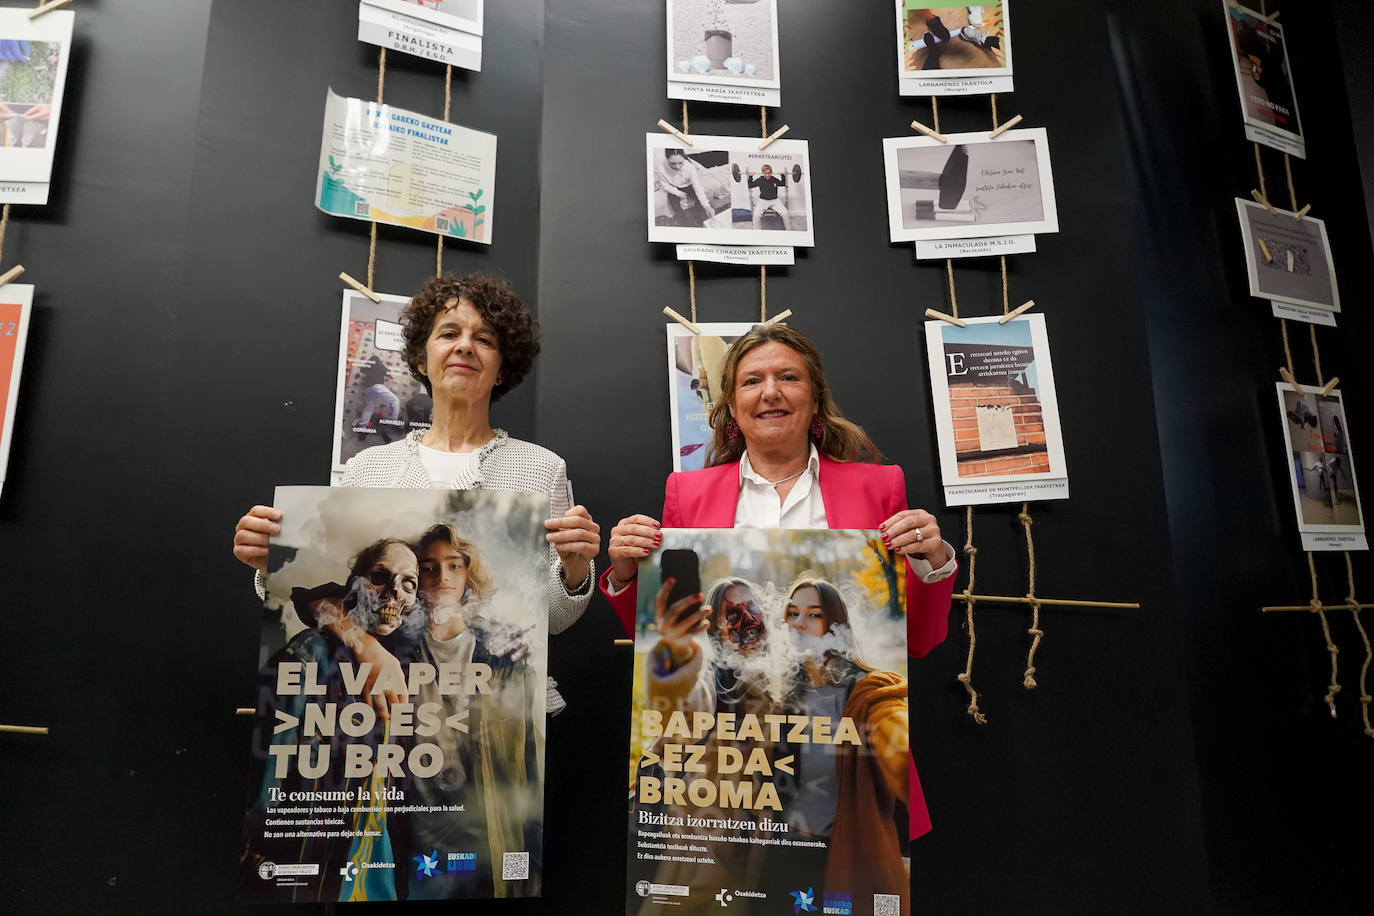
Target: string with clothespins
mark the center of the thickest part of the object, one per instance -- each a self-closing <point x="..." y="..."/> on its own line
<point x="968" y="596"/>
<point x="1288" y="373"/>
<point x="366" y="287"/>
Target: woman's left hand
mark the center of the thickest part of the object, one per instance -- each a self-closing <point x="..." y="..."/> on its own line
<point x="578" y="540"/>
<point x="913" y="532"/>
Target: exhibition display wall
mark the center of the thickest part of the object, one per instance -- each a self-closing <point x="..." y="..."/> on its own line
<point x="183" y="360"/>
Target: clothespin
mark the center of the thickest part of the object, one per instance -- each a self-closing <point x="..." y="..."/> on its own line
<point x="1288" y="377"/>
<point x="1330" y="386"/>
<point x="359" y="287"/>
<point x="768" y="140"/>
<point x="623" y="642"/>
<point x="1007" y="126"/>
<point x="780" y="316"/>
<point x="935" y="135"/>
<point x="12" y="274"/>
<point x="1303" y="212"/>
<point x="244" y="710"/>
<point x="1261" y="199"/>
<point x="1264" y="249"/>
<point x="932" y="313"/>
<point x="665" y="126"/>
<point x="680" y="320"/>
<point x="1023" y="307"/>
<point x="48" y="8"/>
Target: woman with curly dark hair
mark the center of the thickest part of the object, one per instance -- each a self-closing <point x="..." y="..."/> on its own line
<point x="469" y="340"/>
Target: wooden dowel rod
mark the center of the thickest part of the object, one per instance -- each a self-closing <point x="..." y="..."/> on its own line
<point x="1319" y="607"/>
<point x="1056" y="602"/>
<point x="25" y="729"/>
<point x="624" y="642"/>
<point x="244" y="710"/>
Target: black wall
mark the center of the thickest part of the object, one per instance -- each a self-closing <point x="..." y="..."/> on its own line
<point x="1179" y="757"/>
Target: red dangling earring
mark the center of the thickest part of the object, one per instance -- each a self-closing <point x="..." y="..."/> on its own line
<point x="817" y="427"/>
<point x="732" y="430"/>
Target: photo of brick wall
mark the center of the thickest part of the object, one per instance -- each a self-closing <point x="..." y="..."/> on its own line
<point x="995" y="408"/>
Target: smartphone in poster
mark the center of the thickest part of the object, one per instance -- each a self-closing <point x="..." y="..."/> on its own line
<point x="694" y="390"/>
<point x="954" y="50"/>
<point x="996" y="413"/>
<point x="724" y="51"/>
<point x="726" y="191"/>
<point x="1288" y="259"/>
<point x="33" y="76"/>
<point x="378" y="399"/>
<point x="1268" y="103"/>
<point x="443" y="799"/>
<point x="969" y="187"/>
<point x="768" y="752"/>
<point x="403" y="168"/>
<point x="16" y="301"/>
<point x="1321" y="469"/>
<point x="447" y="31"/>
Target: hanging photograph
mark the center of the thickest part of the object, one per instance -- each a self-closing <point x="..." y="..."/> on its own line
<point x="969" y="187"/>
<point x="16" y="299"/>
<point x="399" y="167"/>
<point x="996" y="412"/>
<point x="725" y="190"/>
<point x="769" y="753"/>
<point x="1268" y="103"/>
<point x="33" y="76"/>
<point x="446" y="31"/>
<point x="461" y="15"/>
<point x="378" y="400"/>
<point x="694" y="367"/>
<point x="953" y="50"/>
<point x="1321" y="469"/>
<point x="1288" y="259"/>
<point x="724" y="51"/>
<point x="435" y="594"/>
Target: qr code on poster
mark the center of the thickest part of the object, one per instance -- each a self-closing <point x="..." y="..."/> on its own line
<point x="441" y="224"/>
<point x="362" y="208"/>
<point x="515" y="866"/>
<point x="887" y="905"/>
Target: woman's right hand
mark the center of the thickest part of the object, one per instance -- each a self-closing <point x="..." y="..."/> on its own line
<point x="252" y="533"/>
<point x="631" y="541"/>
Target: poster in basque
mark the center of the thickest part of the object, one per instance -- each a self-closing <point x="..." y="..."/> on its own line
<point x="16" y="302"/>
<point x="769" y="727"/>
<point x="433" y="601"/>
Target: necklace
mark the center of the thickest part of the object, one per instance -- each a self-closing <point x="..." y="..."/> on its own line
<point x="774" y="483"/>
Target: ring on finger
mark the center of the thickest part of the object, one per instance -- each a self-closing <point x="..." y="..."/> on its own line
<point x="920" y="535"/>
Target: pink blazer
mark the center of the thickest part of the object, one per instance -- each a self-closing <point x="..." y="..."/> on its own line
<point x="856" y="495"/>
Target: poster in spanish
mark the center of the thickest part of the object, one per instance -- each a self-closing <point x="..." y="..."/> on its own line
<point x="446" y="31"/>
<point x="379" y="399"/>
<point x="398" y="741"/>
<point x="33" y="75"/>
<point x="695" y="362"/>
<point x="1259" y="57"/>
<point x="769" y="733"/>
<point x="403" y="168"/>
<point x="996" y="411"/>
<point x="16" y="300"/>
<point x="1288" y="261"/>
